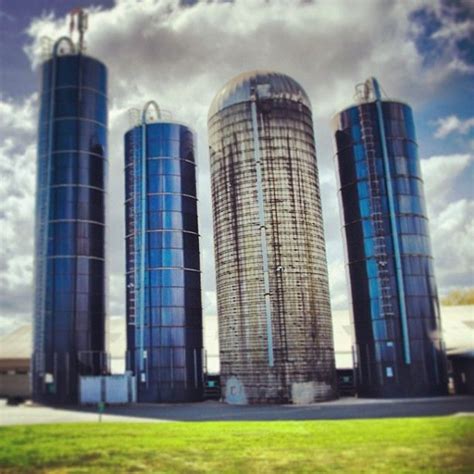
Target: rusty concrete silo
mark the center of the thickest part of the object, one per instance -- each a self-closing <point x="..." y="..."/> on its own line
<point x="275" y="328"/>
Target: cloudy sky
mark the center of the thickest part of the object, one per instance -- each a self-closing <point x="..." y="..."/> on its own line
<point x="181" y="54"/>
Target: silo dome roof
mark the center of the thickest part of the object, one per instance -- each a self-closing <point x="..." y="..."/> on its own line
<point x="273" y="85"/>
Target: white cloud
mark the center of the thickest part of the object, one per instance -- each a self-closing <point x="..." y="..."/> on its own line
<point x="451" y="124"/>
<point x="17" y="171"/>
<point x="181" y="57"/>
<point x="451" y="211"/>
<point x="441" y="176"/>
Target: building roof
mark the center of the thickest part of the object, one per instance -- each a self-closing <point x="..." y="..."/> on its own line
<point x="267" y="84"/>
<point x="457" y="325"/>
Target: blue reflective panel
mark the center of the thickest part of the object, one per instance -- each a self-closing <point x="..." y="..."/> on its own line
<point x="153" y="167"/>
<point x="83" y="302"/>
<point x="94" y="106"/>
<point x="367" y="228"/>
<point x="172" y="202"/>
<point x="361" y="170"/>
<point x="63" y="203"/>
<point x="375" y="307"/>
<point x="163" y="166"/>
<point x="401" y="165"/>
<point x="172" y="240"/>
<point x="190" y="222"/>
<point x="356" y="133"/>
<point x="387" y="352"/>
<point x="65" y="136"/>
<point x="159" y="147"/>
<point x="193" y="298"/>
<point x="172" y="184"/>
<point x="64" y="169"/>
<point x="164" y="202"/>
<point x="191" y="259"/>
<point x="155" y="297"/>
<point x="166" y="258"/>
<point x="167" y="277"/>
<point x="64" y="301"/>
<point x="365" y="208"/>
<point x="66" y="102"/>
<point x="416" y="187"/>
<point x="172" y="220"/>
<point x="172" y="337"/>
<point x="172" y="296"/>
<point x="189" y="205"/>
<point x="165" y="131"/>
<point x="155" y="240"/>
<point x="417" y="285"/>
<point x="64" y="266"/>
<point x="154" y="221"/>
<point x="374" y="287"/>
<point x="94" y="74"/>
<point x="132" y="145"/>
<point x="64" y="247"/>
<point x="411" y="151"/>
<point x="395" y="148"/>
<point x="67" y="68"/>
<point x="172" y="278"/>
<point x="414" y="168"/>
<point x="372" y="268"/>
<point x="359" y="152"/>
<point x="173" y="258"/>
<point x="379" y="328"/>
<point x="409" y="123"/>
<point x="91" y="137"/>
<point x="363" y="189"/>
<point x="173" y="316"/>
<point x="355" y="250"/>
<point x="191" y="242"/>
<point x="92" y="170"/>
<point x="192" y="279"/>
<point x="401" y="185"/>
<point x="164" y="184"/>
<point x="64" y="283"/>
<point x="347" y="172"/>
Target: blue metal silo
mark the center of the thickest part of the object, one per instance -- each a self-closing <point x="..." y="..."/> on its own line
<point x="70" y="296"/>
<point x="164" y="312"/>
<point x="398" y="346"/>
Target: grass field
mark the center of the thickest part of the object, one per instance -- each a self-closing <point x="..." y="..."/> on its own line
<point x="380" y="446"/>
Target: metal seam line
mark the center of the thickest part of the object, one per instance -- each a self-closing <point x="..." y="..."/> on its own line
<point x="142" y="204"/>
<point x="263" y="237"/>
<point x="393" y="224"/>
<point x="45" y="233"/>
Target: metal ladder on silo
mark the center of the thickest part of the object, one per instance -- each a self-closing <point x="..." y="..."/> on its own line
<point x="44" y="178"/>
<point x="132" y="215"/>
<point x="376" y="215"/>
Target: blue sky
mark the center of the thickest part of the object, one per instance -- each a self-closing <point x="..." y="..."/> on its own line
<point x="181" y="53"/>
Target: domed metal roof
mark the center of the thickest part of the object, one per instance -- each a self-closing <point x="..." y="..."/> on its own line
<point x="268" y="84"/>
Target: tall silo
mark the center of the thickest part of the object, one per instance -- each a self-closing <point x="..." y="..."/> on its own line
<point x="275" y="333"/>
<point x="69" y="307"/>
<point x="398" y="347"/>
<point x="164" y="312"/>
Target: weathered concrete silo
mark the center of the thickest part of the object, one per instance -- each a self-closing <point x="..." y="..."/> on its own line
<point x="272" y="286"/>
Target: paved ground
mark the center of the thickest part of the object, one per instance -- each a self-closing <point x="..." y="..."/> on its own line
<point x="344" y="408"/>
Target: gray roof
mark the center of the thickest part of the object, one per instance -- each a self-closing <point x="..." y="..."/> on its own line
<point x="457" y="326"/>
<point x="267" y="84"/>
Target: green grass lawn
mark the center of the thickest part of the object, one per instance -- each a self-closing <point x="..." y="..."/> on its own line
<point x="381" y="446"/>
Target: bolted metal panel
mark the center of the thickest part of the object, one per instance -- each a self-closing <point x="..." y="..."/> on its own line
<point x="70" y="295"/>
<point x="164" y="310"/>
<point x="399" y="350"/>
<point x="275" y="328"/>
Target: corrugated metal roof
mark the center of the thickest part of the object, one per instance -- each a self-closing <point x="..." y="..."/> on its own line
<point x="267" y="84"/>
<point x="457" y="325"/>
